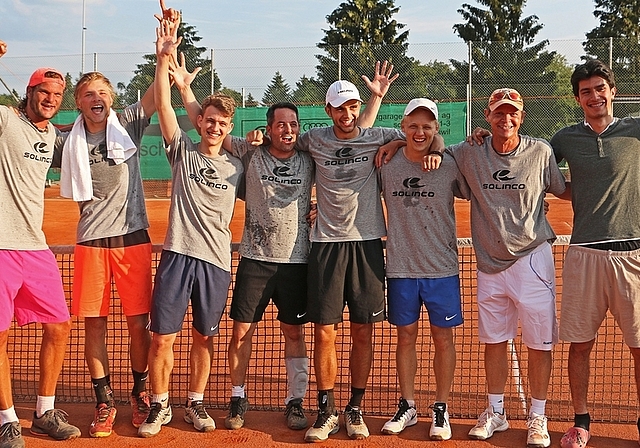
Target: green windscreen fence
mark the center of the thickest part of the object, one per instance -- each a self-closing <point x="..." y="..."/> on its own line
<point x="154" y="163"/>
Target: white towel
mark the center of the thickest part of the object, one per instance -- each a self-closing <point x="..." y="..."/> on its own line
<point x="75" y="175"/>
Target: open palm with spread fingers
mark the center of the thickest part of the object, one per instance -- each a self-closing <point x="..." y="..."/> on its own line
<point x="381" y="80"/>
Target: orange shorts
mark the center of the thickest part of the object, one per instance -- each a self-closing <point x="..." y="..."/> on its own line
<point x="94" y="267"/>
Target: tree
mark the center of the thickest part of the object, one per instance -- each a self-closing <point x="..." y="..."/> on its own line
<point x="619" y="19"/>
<point x="308" y="92"/>
<point x="504" y="55"/>
<point x="250" y="101"/>
<point x="368" y="33"/>
<point x="144" y="74"/>
<point x="277" y="91"/>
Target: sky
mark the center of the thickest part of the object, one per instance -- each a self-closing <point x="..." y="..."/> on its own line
<point x="38" y="30"/>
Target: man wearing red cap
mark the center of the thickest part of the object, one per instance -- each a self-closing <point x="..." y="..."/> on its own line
<point x="30" y="282"/>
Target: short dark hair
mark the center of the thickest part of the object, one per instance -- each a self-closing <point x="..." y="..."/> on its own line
<point x="592" y="67"/>
<point x="282" y="105"/>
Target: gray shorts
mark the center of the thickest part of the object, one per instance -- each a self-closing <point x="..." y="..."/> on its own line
<point x="181" y="279"/>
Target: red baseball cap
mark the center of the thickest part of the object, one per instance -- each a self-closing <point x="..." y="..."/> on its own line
<point x="46" y="74"/>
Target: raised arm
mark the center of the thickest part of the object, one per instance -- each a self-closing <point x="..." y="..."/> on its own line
<point x="378" y="87"/>
<point x="183" y="79"/>
<point x="166" y="44"/>
<point x="3" y="48"/>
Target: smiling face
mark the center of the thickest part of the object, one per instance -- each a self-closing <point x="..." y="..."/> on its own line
<point x="43" y="101"/>
<point x="283" y="132"/>
<point x="505" y="121"/>
<point x="345" y="118"/>
<point x="419" y="128"/>
<point x="94" y="100"/>
<point x="595" y="97"/>
<point x="214" y="126"/>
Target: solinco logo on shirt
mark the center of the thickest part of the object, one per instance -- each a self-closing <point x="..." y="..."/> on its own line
<point x="278" y="173"/>
<point x="209" y="177"/>
<point x="98" y="154"/>
<point x="503" y="176"/>
<point x="413" y="184"/>
<point x="38" y="154"/>
<point x="345" y="157"/>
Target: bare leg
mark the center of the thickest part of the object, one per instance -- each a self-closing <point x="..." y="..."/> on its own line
<point x="6" y="399"/>
<point x="201" y="355"/>
<point x="361" y="354"/>
<point x="161" y="361"/>
<point x="406" y="359"/>
<point x="496" y="367"/>
<point x="139" y="351"/>
<point x="240" y="351"/>
<point x="325" y="357"/>
<point x="579" y="370"/>
<point x="444" y="362"/>
<point x="95" y="346"/>
<point x="294" y="345"/>
<point x="54" y="344"/>
<point x="539" y="372"/>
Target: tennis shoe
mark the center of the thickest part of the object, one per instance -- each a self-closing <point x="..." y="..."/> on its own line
<point x="440" y="427"/>
<point x="140" y="408"/>
<point x="158" y="416"/>
<point x="237" y="408"/>
<point x="488" y="423"/>
<point x="353" y="421"/>
<point x="196" y="414"/>
<point x="575" y="437"/>
<point x="405" y="416"/>
<point x="103" y="419"/>
<point x="54" y="424"/>
<point x="295" y="415"/>
<point x="325" y="425"/>
<point x="11" y="435"/>
<point x="537" y="434"/>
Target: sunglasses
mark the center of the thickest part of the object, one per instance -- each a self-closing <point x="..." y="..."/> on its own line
<point x="503" y="94"/>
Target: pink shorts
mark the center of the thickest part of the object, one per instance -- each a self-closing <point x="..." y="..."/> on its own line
<point x="30" y="288"/>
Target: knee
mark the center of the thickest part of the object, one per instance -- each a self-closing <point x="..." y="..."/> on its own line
<point x="324" y="335"/>
<point x="161" y="343"/>
<point x="361" y="333"/>
<point x="292" y="333"/>
<point x="581" y="349"/>
<point x="58" y="332"/>
<point x="442" y="337"/>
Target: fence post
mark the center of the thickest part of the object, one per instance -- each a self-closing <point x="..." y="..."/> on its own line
<point x="339" y="62"/>
<point x="243" y="100"/>
<point x="213" y="76"/>
<point x="611" y="53"/>
<point x="95" y="62"/>
<point x="469" y="90"/>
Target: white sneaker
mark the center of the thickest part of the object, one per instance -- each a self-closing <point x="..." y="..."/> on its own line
<point x="488" y="423"/>
<point x="353" y="421"/>
<point x="197" y="415"/>
<point x="405" y="416"/>
<point x="537" y="435"/>
<point x="325" y="425"/>
<point x="440" y="427"/>
<point x="158" y="416"/>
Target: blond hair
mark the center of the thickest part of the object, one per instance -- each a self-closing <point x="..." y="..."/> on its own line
<point x="90" y="77"/>
<point x="224" y="103"/>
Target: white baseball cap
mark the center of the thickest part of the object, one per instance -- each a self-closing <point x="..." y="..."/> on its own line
<point x="340" y="92"/>
<point x="421" y="102"/>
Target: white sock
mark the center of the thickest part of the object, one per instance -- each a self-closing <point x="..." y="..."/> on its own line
<point x="497" y="402"/>
<point x="411" y="403"/>
<point x="537" y="406"/>
<point x="163" y="399"/>
<point x="194" y="396"/>
<point x="237" y="391"/>
<point x="8" y="416"/>
<point x="44" y="404"/>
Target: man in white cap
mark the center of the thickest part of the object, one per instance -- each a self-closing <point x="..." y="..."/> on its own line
<point x="508" y="176"/>
<point x="30" y="282"/>
<point x="422" y="261"/>
<point x="346" y="264"/>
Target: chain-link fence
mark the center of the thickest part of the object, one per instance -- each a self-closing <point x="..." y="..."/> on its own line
<point x="261" y="76"/>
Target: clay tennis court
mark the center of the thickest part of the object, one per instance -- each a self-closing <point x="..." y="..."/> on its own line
<point x="267" y="428"/>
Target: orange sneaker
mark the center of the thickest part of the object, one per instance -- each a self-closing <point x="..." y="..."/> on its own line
<point x="139" y="408"/>
<point x="102" y="425"/>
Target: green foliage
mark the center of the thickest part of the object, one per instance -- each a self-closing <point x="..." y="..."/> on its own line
<point x="368" y="33"/>
<point x="145" y="73"/>
<point x="619" y="19"/>
<point x="308" y="92"/>
<point x="250" y="101"/>
<point x="277" y="91"/>
<point x="8" y="100"/>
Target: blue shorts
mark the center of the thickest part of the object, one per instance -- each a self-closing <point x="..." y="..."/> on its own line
<point x="441" y="297"/>
<point x="180" y="279"/>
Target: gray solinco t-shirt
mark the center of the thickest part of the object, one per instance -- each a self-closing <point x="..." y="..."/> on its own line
<point x="347" y="189"/>
<point x="278" y="198"/>
<point x="117" y="207"/>
<point x="507" y="198"/>
<point x="421" y="234"/>
<point x="203" y="196"/>
<point x="25" y="157"/>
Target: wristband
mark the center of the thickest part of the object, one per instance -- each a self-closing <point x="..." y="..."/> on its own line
<point x="436" y="153"/>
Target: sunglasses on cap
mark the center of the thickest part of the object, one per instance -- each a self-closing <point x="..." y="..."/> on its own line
<point x="508" y="96"/>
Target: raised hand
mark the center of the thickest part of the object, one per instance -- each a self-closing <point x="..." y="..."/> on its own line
<point x="3" y="48"/>
<point x="179" y="73"/>
<point x="172" y="15"/>
<point x="167" y="39"/>
<point x="381" y="80"/>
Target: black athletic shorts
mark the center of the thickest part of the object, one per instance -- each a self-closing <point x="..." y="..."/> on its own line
<point x="346" y="273"/>
<point x="258" y="282"/>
